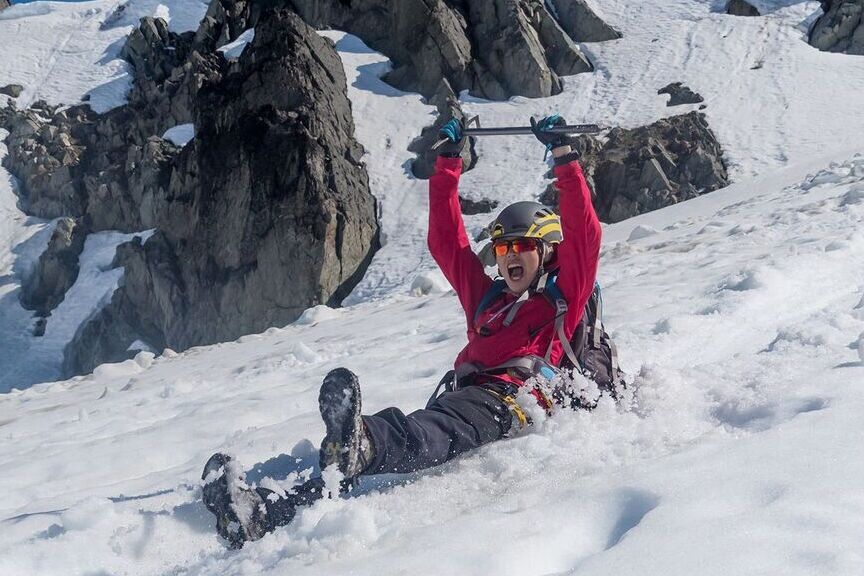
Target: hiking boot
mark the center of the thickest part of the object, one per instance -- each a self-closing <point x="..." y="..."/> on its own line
<point x="346" y="443"/>
<point x="241" y="512"/>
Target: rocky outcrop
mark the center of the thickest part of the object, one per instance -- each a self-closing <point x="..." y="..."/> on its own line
<point x="57" y="268"/>
<point x="494" y="48"/>
<point x="840" y="28"/>
<point x="11" y="90"/>
<point x="741" y="8"/>
<point x="225" y="21"/>
<point x="4" y="4"/>
<point x="581" y="22"/>
<point x="640" y="170"/>
<point x="114" y="168"/>
<point x="680" y="94"/>
<point x="267" y="211"/>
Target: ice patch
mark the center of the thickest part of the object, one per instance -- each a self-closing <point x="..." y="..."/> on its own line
<point x="180" y="135"/>
<point x="234" y="49"/>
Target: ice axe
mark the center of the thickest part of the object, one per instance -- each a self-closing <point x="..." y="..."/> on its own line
<point x="511" y="130"/>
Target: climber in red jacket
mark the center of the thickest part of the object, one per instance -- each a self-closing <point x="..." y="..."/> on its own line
<point x="514" y="332"/>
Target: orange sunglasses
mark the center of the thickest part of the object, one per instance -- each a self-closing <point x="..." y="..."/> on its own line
<point x="518" y="245"/>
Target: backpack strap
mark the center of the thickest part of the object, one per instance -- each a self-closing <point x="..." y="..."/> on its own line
<point x="556" y="298"/>
<point x="598" y="317"/>
<point x="497" y="288"/>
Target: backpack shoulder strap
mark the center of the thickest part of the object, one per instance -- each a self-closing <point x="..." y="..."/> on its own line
<point x="556" y="297"/>
<point x="497" y="288"/>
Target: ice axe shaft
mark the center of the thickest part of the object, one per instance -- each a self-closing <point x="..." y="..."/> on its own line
<point x="521" y="130"/>
<point x="516" y="130"/>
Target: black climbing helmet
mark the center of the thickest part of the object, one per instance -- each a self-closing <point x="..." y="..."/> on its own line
<point x="527" y="220"/>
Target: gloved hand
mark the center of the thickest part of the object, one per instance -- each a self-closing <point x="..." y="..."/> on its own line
<point x="452" y="132"/>
<point x="550" y="139"/>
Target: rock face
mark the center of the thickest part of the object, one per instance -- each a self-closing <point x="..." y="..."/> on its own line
<point x="494" y="48"/>
<point x="636" y="171"/>
<point x="840" y="28"/>
<point x="680" y="94"/>
<point x="267" y="211"/>
<point x="57" y="268"/>
<point x="581" y="22"/>
<point x="4" y="4"/>
<point x="741" y="8"/>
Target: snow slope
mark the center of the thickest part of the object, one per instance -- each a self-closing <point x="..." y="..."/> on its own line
<point x="740" y="316"/>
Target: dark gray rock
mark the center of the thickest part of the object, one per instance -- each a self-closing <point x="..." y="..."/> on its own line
<point x="741" y="8"/>
<point x="840" y="28"/>
<point x="12" y="90"/>
<point x="57" y="268"/>
<point x="471" y="207"/>
<point x="267" y="212"/>
<point x="581" y="23"/>
<point x="4" y="4"/>
<point x="448" y="107"/>
<point x="680" y="94"/>
<point x="640" y="170"/>
<point x="494" y="48"/>
<point x="44" y="155"/>
<point x="224" y="22"/>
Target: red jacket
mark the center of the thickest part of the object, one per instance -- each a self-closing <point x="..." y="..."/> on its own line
<point x="533" y="327"/>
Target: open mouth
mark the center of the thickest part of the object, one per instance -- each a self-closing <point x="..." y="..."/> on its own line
<point x="515" y="272"/>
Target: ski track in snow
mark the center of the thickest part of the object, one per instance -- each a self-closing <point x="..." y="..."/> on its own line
<point x="738" y="314"/>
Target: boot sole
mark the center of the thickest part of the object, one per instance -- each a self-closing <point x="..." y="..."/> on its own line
<point x="339" y="404"/>
<point x="218" y="501"/>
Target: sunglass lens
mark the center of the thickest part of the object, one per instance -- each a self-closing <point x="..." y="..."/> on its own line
<point x="524" y="246"/>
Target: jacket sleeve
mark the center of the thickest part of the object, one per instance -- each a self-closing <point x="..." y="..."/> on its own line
<point x="579" y="252"/>
<point x="448" y="241"/>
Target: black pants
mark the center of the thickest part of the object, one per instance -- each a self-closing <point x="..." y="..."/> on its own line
<point x="454" y="423"/>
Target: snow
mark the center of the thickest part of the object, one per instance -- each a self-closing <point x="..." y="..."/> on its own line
<point x="180" y="135"/>
<point x="233" y="49"/>
<point x="739" y="314"/>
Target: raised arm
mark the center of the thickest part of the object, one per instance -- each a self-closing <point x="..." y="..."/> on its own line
<point x="580" y="251"/>
<point x="448" y="241"/>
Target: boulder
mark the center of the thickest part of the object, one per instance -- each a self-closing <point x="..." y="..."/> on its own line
<point x="11" y="90"/>
<point x="57" y="268"/>
<point x="840" y="28"/>
<point x="494" y="48"/>
<point x="741" y="8"/>
<point x="267" y="212"/>
<point x="4" y="4"/>
<point x="639" y="170"/>
<point x="581" y="22"/>
<point x="680" y="94"/>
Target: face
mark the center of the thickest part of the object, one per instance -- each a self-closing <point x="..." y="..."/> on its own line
<point x="519" y="265"/>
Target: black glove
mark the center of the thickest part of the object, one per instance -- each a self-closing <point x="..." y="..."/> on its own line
<point x="550" y="139"/>
<point x="455" y="139"/>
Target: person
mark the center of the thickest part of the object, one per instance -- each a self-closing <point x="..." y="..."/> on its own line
<point x="512" y="334"/>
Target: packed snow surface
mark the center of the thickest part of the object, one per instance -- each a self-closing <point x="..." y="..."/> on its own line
<point x="739" y="316"/>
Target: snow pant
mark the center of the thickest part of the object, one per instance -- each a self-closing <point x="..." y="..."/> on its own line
<point x="454" y="423"/>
